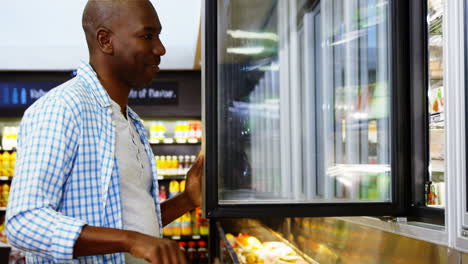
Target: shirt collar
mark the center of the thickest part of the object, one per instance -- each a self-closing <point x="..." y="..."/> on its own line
<point x="87" y="73"/>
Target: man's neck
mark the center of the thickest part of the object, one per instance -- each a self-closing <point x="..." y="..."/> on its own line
<point x="116" y="89"/>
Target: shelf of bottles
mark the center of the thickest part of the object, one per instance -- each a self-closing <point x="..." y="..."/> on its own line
<point x="435" y="186"/>
<point x="175" y="132"/>
<point x="174" y="167"/>
<point x="9" y="130"/>
<point x="190" y="226"/>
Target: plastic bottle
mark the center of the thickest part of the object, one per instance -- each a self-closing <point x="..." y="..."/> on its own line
<point x="191" y="253"/>
<point x="198" y="131"/>
<point x="185" y="130"/>
<point x="198" y="221"/>
<point x="2" y="203"/>
<point x="12" y="163"/>
<point x="185" y="219"/>
<point x="167" y="230"/>
<point x="1" y="166"/>
<point x="5" y="193"/>
<point x="182" y="186"/>
<point x="14" y="137"/>
<point x="15" y="96"/>
<point x="187" y="164"/>
<point x="167" y="165"/>
<point x="6" y="95"/>
<point x="158" y="163"/>
<point x="176" y="230"/>
<point x="177" y="130"/>
<point x="202" y="252"/>
<point x="174" y="188"/>
<point x="186" y="224"/>
<point x="204" y="227"/>
<point x="193" y="158"/>
<point x="161" y="131"/>
<point x="182" y="246"/>
<point x="174" y="165"/>
<point x="162" y="193"/>
<point x="154" y="131"/>
<point x="180" y="166"/>
<point x="6" y="164"/>
<point x="195" y="220"/>
<point x="23" y="97"/>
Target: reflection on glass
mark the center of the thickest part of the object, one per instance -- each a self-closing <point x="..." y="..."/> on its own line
<point x="435" y="186"/>
<point x="304" y="101"/>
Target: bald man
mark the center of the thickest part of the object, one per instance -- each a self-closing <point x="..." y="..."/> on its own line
<point x="85" y="188"/>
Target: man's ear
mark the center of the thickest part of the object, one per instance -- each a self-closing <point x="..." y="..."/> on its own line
<point x="104" y="40"/>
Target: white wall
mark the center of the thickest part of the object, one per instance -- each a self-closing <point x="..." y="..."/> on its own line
<point x="47" y="34"/>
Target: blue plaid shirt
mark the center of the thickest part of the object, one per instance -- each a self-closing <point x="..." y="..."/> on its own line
<point x="66" y="172"/>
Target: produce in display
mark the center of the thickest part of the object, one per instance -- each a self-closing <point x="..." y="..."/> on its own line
<point x="250" y="250"/>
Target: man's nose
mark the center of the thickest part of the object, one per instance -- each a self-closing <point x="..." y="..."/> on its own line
<point x="159" y="48"/>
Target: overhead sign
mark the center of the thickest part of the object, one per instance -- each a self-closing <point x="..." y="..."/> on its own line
<point x="24" y="94"/>
<point x="158" y="93"/>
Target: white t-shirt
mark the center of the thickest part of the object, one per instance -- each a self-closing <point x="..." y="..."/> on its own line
<point x="138" y="208"/>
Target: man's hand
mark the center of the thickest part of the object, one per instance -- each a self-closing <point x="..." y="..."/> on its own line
<point x="193" y="185"/>
<point x="155" y="250"/>
<point x="101" y="240"/>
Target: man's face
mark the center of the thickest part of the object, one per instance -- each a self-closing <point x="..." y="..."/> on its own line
<point x="137" y="47"/>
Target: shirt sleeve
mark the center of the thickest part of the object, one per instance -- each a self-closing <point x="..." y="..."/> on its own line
<point x="47" y="143"/>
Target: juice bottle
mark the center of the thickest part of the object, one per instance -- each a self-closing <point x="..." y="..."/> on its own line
<point x="191" y="253"/>
<point x="204" y="227"/>
<point x="186" y="224"/>
<point x="182" y="185"/>
<point x="177" y="130"/>
<point x="187" y="164"/>
<point x="12" y="163"/>
<point x="185" y="130"/>
<point x="180" y="166"/>
<point x="2" y="202"/>
<point x="174" y="188"/>
<point x="1" y="166"/>
<point x="195" y="220"/>
<point x="161" y="128"/>
<point x="6" y="163"/>
<point x="167" y="165"/>
<point x="202" y="252"/>
<point x="176" y="230"/>
<point x="162" y="165"/>
<point x="167" y="230"/>
<point x="153" y="131"/>
<point x="158" y="163"/>
<point x="185" y="219"/>
<point x="174" y="165"/>
<point x="5" y="193"/>
<point x="198" y="221"/>
<point x="182" y="246"/>
<point x="162" y="193"/>
<point x="198" y="130"/>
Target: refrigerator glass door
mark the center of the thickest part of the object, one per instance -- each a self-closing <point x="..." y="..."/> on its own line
<point x="302" y="103"/>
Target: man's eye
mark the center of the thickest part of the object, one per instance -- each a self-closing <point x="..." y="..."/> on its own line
<point x="148" y="37"/>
